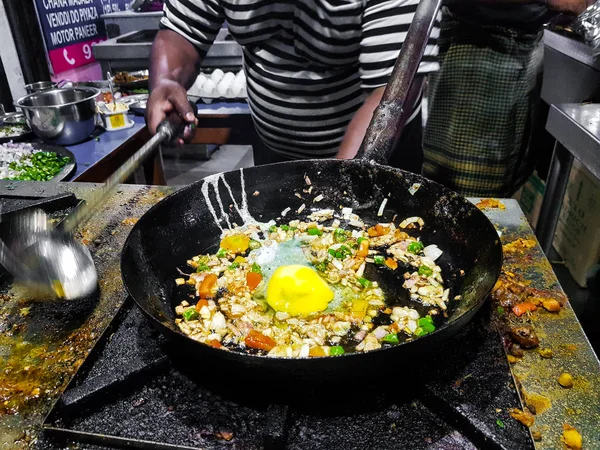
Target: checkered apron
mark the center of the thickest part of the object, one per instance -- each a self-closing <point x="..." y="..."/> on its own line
<point x="482" y="104"/>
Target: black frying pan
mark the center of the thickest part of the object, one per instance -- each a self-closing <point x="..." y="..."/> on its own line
<point x="182" y="226"/>
<point x="187" y="223"/>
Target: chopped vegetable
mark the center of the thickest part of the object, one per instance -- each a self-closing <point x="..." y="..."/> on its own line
<point x="361" y="239"/>
<point x="314" y="232"/>
<point x="236" y="243"/>
<point x="379" y="260"/>
<point x="180" y="281"/>
<point x="253" y="279"/>
<point x="322" y="266"/>
<point x="425" y="271"/>
<point x="571" y="438"/>
<point x="339" y="235"/>
<point x="521" y="308"/>
<point x="378" y="230"/>
<point x="551" y="305"/>
<point x="255" y="268"/>
<point x="316" y="351"/>
<point x="201" y="304"/>
<point x="207" y="285"/>
<point x="499" y="423"/>
<point x="202" y="267"/>
<point x="222" y="253"/>
<point x="364" y="282"/>
<point x="500" y="310"/>
<point x="190" y="314"/>
<point x="391" y="339"/>
<point x="253" y="244"/>
<point x="425" y="326"/>
<point x="363" y="247"/>
<point x="272" y="229"/>
<point x="285" y="227"/>
<point x="234" y="265"/>
<point x="391" y="264"/>
<point x="565" y="380"/>
<point x="336" y="350"/>
<point x="256" y="339"/>
<point x="342" y="252"/>
<point x="415" y="247"/>
<point x="214" y="343"/>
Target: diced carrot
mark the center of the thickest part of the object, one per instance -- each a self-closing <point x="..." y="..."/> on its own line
<point x="521" y="308"/>
<point x="214" y="343"/>
<point x="207" y="284"/>
<point x="253" y="279"/>
<point x="391" y="263"/>
<point x="200" y="304"/>
<point x="256" y="339"/>
<point x="378" y="230"/>
<point x="316" y="351"/>
<point x="363" y="249"/>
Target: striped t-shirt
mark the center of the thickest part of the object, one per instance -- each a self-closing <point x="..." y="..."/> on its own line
<point x="308" y="63"/>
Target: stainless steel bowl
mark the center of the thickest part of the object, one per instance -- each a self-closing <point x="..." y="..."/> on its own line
<point x="61" y="116"/>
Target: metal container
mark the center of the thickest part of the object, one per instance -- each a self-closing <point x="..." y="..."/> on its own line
<point x="61" y="116"/>
<point x="40" y="86"/>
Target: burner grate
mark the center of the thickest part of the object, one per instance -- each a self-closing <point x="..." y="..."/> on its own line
<point x="133" y="395"/>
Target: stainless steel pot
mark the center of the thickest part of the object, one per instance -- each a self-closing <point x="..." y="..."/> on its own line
<point x="41" y="86"/>
<point x="61" y="116"/>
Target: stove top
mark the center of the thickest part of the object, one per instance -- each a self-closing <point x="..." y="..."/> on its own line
<point x="135" y="392"/>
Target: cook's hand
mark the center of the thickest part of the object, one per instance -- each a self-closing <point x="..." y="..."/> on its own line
<point x="569" y="6"/>
<point x="169" y="97"/>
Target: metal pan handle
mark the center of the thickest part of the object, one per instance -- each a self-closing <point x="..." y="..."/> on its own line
<point x="380" y="136"/>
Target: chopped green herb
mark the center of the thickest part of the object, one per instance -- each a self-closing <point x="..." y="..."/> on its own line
<point x="415" y="247"/>
<point x="499" y="423"/>
<point x="190" y="314"/>
<point x="222" y="253"/>
<point x="360" y="239"/>
<point x="314" y="232"/>
<point x="424" y="270"/>
<point x="339" y="235"/>
<point x="272" y="229"/>
<point x="253" y="245"/>
<point x="234" y="265"/>
<point x="202" y="267"/>
<point x="391" y="339"/>
<point x="336" y="350"/>
<point x="255" y="268"/>
<point x="322" y="266"/>
<point x="379" y="260"/>
<point x="331" y="251"/>
<point x="500" y="310"/>
<point x="364" y="282"/>
<point x="285" y="227"/>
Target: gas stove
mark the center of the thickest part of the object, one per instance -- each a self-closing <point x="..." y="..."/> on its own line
<point x="134" y="391"/>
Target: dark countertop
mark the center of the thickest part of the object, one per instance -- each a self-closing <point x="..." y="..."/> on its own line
<point x="92" y="151"/>
<point x="63" y="351"/>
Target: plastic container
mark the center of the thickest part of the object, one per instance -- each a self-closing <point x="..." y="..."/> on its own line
<point x="114" y="120"/>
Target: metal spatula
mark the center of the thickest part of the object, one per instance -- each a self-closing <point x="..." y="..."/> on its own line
<point x="50" y="262"/>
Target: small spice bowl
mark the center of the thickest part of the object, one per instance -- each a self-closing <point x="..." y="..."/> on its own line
<point x="114" y="115"/>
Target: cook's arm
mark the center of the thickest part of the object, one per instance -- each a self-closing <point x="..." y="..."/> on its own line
<point x="188" y="30"/>
<point x="174" y="64"/>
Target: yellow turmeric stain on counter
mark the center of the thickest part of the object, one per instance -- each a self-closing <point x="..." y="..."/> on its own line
<point x="298" y="290"/>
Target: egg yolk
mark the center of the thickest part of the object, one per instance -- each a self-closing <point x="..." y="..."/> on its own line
<point x="298" y="290"/>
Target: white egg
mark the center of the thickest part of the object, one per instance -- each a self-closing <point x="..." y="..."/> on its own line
<point x="224" y="84"/>
<point x="200" y="80"/>
<point x="216" y="76"/>
<point x="236" y="88"/>
<point x="241" y="77"/>
<point x="208" y="88"/>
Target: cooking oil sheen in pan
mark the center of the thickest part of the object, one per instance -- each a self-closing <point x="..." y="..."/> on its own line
<point x="290" y="254"/>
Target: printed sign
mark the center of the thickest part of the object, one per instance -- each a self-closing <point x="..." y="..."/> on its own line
<point x="72" y="27"/>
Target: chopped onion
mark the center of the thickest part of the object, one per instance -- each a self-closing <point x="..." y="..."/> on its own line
<point x="414" y="188"/>
<point x="380" y="332"/>
<point x="382" y="207"/>
<point x="346" y="212"/>
<point x="302" y="206"/>
<point x="361" y="270"/>
<point x="432" y="251"/>
<point x="356" y="223"/>
<point x="318" y="198"/>
<point x="360" y="335"/>
<point x="285" y="211"/>
<point x="304" y="351"/>
<point x="337" y="264"/>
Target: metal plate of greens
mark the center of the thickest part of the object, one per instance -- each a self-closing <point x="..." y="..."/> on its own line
<point x="15" y="132"/>
<point x="35" y="162"/>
